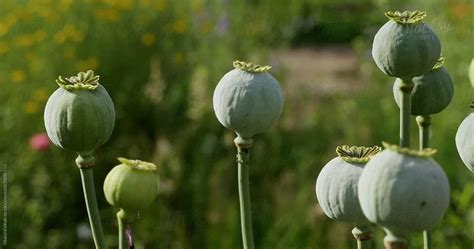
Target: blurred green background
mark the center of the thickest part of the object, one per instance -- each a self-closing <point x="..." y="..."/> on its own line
<point x="160" y="61"/>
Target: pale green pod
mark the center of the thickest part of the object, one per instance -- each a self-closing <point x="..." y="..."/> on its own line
<point x="432" y="92"/>
<point x="248" y="100"/>
<point x="131" y="186"/>
<point x="336" y="186"/>
<point x="79" y="115"/>
<point x="403" y="190"/>
<point x="465" y="141"/>
<point x="405" y="47"/>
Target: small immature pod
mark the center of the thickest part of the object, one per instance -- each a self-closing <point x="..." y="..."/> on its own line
<point x="79" y="115"/>
<point x="131" y="185"/>
<point x="432" y="91"/>
<point x="405" y="47"/>
<point x="336" y="186"/>
<point x="403" y="190"/>
<point x="248" y="100"/>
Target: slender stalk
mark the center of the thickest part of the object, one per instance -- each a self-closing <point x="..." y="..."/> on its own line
<point x="363" y="235"/>
<point x="427" y="241"/>
<point x="121" y="231"/>
<point x="85" y="162"/>
<point x="405" y="110"/>
<point x="424" y="122"/>
<point x="243" y="158"/>
<point x="92" y="208"/>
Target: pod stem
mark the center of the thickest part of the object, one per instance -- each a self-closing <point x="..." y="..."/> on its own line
<point x="405" y="109"/>
<point x="121" y="231"/>
<point x="427" y="241"/>
<point x="363" y="234"/>
<point x="87" y="179"/>
<point x="424" y="123"/>
<point x="243" y="158"/>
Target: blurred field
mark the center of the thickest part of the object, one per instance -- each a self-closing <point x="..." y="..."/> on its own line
<point x="160" y="61"/>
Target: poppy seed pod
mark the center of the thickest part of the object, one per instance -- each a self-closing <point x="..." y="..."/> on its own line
<point x="403" y="190"/>
<point x="79" y="115"/>
<point x="465" y="141"/>
<point x="336" y="186"/>
<point x="248" y="100"/>
<point x="432" y="91"/>
<point x="405" y="47"/>
<point x="131" y="185"/>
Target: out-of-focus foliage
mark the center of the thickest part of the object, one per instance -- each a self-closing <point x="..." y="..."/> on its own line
<point x="160" y="61"/>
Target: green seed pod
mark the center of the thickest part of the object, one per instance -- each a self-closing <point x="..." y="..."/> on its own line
<point x="432" y="92"/>
<point x="79" y="115"/>
<point x="248" y="100"/>
<point x="131" y="185"/>
<point x="405" y="47"/>
<point x="403" y="190"/>
<point x="465" y="141"/>
<point x="336" y="186"/>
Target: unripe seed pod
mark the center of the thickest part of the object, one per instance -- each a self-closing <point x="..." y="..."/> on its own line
<point x="403" y="190"/>
<point x="432" y="91"/>
<point x="131" y="186"/>
<point x="79" y="115"/>
<point x="336" y="186"/>
<point x="465" y="141"/>
<point x="406" y="47"/>
<point x="248" y="100"/>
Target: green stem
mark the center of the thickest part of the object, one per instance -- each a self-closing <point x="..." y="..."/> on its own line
<point x="405" y="110"/>
<point x="243" y="158"/>
<point x="121" y="230"/>
<point x="85" y="162"/>
<point x="424" y="122"/>
<point x="92" y="208"/>
<point x="363" y="235"/>
<point x="428" y="244"/>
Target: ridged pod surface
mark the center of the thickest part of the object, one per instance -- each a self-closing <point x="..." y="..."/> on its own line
<point x="131" y="186"/>
<point x="405" y="47"/>
<point x="79" y="117"/>
<point x="248" y="100"/>
<point x="431" y="94"/>
<point x="336" y="189"/>
<point x="465" y="141"/>
<point x="403" y="190"/>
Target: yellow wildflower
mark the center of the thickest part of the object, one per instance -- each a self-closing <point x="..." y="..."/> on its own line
<point x="18" y="76"/>
<point x="90" y="63"/>
<point x="65" y="5"/>
<point x="148" y="39"/>
<point x="4" y="28"/>
<point x="120" y="4"/>
<point x="110" y="15"/>
<point x="179" y="26"/>
<point x="24" y="40"/>
<point x="3" y="48"/>
<point x="159" y="5"/>
<point x="69" y="33"/>
<point x="31" y="107"/>
<point x="40" y="94"/>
